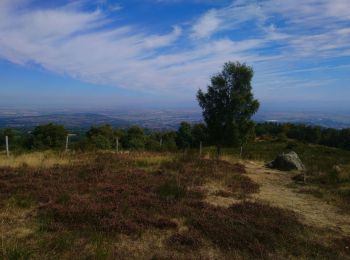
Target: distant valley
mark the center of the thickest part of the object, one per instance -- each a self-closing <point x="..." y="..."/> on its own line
<point x="155" y="119"/>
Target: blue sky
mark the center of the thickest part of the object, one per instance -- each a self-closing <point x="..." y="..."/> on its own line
<point x="144" y="53"/>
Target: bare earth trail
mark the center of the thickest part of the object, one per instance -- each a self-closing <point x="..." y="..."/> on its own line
<point x="314" y="211"/>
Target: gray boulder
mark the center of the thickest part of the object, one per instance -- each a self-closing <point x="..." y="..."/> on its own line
<point x="287" y="162"/>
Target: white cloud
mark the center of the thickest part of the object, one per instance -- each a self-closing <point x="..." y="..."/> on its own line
<point x="207" y="25"/>
<point x="294" y="32"/>
<point x="68" y="40"/>
<point x="164" y="40"/>
<point x="226" y="19"/>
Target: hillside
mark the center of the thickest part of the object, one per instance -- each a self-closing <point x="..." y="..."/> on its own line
<point x="71" y="120"/>
<point x="104" y="205"/>
<point x="148" y="118"/>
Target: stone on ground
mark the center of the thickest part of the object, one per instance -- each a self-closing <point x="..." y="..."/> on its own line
<point x="287" y="162"/>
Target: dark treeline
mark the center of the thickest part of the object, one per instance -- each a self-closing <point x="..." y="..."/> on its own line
<point x="308" y="134"/>
<point x="52" y="136"/>
<point x="105" y="137"/>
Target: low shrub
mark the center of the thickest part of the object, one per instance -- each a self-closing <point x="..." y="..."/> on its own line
<point x="22" y="200"/>
<point x="343" y="245"/>
<point x="16" y="253"/>
<point x="184" y="240"/>
<point x="109" y="195"/>
<point x="171" y="190"/>
<point x="242" y="184"/>
<point x="256" y="229"/>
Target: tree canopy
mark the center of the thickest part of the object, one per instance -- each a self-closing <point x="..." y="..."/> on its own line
<point x="229" y="104"/>
<point x="101" y="137"/>
<point x="184" y="136"/>
<point x="134" y="138"/>
<point x="49" y="136"/>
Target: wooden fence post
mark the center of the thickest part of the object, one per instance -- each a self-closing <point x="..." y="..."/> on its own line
<point x="67" y="140"/>
<point x="7" y="146"/>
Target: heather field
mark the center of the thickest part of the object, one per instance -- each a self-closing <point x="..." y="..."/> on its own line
<point x="159" y="206"/>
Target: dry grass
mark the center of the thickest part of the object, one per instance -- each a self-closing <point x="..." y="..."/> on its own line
<point x="15" y="227"/>
<point x="13" y="222"/>
<point x="144" y="206"/>
<point x="217" y="194"/>
<point x="35" y="160"/>
<point x="231" y="158"/>
<point x="328" y="169"/>
<point x="315" y="210"/>
<point x="151" y="161"/>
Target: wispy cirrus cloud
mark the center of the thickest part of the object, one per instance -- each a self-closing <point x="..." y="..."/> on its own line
<point x="207" y="25"/>
<point x="290" y="33"/>
<point x="92" y="47"/>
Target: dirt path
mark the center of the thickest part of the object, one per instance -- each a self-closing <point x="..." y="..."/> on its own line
<point x="314" y="211"/>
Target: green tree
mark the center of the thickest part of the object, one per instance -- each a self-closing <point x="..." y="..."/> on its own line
<point x="169" y="141"/>
<point x="313" y="134"/>
<point x="229" y="105"/>
<point x="9" y="132"/>
<point x="152" y="143"/>
<point x="184" y="136"/>
<point x="101" y="137"/>
<point x="134" y="138"/>
<point x="199" y="134"/>
<point x="344" y="139"/>
<point x="161" y="141"/>
<point x="49" y="136"/>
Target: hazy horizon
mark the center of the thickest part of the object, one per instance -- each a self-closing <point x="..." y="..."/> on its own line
<point x="337" y="108"/>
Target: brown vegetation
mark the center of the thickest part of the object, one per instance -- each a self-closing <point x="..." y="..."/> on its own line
<point x="113" y="206"/>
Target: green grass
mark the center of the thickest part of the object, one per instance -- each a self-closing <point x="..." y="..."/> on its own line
<point x="322" y="180"/>
<point x="312" y="155"/>
<point x="317" y="159"/>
